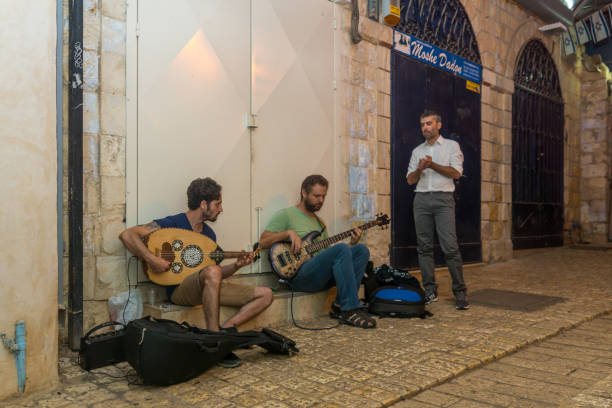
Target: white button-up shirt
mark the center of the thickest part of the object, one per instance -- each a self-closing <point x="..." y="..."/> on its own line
<point x="444" y="152"/>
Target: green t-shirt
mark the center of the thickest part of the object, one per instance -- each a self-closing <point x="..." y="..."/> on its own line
<point x="291" y="218"/>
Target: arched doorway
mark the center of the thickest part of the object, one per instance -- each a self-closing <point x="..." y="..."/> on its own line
<point x="537" y="151"/>
<point x="439" y="27"/>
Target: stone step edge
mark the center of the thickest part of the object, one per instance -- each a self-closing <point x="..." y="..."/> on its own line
<point x="497" y="356"/>
<point x="166" y="306"/>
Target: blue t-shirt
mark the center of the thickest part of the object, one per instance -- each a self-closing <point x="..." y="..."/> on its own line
<point x="181" y="221"/>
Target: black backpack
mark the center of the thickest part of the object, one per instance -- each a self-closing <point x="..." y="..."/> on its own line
<point x="165" y="352"/>
<point x="393" y="292"/>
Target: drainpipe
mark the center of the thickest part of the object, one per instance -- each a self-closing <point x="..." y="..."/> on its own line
<point x="75" y="176"/>
<point x="18" y="347"/>
<point x="59" y="128"/>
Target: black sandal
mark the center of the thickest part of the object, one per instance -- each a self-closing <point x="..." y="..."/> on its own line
<point x="335" y="311"/>
<point x="357" y="318"/>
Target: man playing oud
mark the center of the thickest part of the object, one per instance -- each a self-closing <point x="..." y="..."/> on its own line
<point x="209" y="286"/>
<point x="340" y="265"/>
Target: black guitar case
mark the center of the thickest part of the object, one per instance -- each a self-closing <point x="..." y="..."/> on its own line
<point x="165" y="352"/>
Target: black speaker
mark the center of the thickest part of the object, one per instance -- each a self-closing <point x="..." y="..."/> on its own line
<point x="103" y="349"/>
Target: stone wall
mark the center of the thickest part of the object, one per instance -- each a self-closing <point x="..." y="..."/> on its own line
<point x="595" y="156"/>
<point x="28" y="211"/>
<point x="364" y="125"/>
<point x="104" y="79"/>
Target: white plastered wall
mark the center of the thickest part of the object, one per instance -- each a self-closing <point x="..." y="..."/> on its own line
<point x="28" y="214"/>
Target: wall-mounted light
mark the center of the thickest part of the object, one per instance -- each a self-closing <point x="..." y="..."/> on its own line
<point x="554" y="28"/>
<point x="390" y="12"/>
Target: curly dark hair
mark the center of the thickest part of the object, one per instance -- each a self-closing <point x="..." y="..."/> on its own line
<point x="311" y="181"/>
<point x="202" y="189"/>
<point x="430" y="112"/>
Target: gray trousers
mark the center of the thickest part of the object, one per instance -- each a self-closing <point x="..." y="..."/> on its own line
<point x="437" y="210"/>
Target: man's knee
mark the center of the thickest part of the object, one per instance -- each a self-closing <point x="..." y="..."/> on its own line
<point x="211" y="275"/>
<point x="264" y="293"/>
<point x="452" y="254"/>
<point x="343" y="248"/>
<point x="425" y="249"/>
<point x="361" y="250"/>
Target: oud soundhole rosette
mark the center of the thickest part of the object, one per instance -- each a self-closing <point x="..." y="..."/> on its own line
<point x="176" y="267"/>
<point x="177" y="245"/>
<point x="192" y="256"/>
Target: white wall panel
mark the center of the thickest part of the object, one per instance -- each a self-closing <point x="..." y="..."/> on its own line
<point x="193" y="94"/>
<point x="293" y="101"/>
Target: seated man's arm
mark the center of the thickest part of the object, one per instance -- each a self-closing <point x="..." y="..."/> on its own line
<point x="229" y="270"/>
<point x="268" y="238"/>
<point x="132" y="240"/>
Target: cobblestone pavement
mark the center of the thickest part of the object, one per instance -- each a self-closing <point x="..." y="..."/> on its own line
<point x="403" y="360"/>
<point x="573" y="369"/>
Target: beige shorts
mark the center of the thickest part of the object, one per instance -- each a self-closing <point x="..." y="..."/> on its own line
<point x="189" y="293"/>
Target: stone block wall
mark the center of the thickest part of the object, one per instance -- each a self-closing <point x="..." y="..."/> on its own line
<point x="570" y="72"/>
<point x="503" y="28"/>
<point x="104" y="132"/>
<point x="364" y="105"/>
<point x="595" y="157"/>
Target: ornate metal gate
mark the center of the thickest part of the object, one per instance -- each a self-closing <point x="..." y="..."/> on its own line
<point x="537" y="151"/>
<point x="443" y="23"/>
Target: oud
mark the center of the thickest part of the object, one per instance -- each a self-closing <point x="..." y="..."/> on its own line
<point x="187" y="251"/>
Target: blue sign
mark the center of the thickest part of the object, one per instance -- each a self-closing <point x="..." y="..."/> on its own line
<point x="437" y="57"/>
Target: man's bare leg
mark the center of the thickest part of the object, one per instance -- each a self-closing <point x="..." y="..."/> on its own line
<point x="263" y="297"/>
<point x="210" y="279"/>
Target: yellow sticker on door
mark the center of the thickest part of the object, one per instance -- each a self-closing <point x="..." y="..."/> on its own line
<point x="472" y="86"/>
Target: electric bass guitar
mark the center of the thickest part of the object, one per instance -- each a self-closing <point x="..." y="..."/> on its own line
<point x="187" y="252"/>
<point x="286" y="264"/>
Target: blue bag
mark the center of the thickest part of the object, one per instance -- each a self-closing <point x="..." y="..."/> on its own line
<point x="394" y="293"/>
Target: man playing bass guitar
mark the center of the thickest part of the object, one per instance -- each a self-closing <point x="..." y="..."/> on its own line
<point x="340" y="265"/>
<point x="209" y="286"/>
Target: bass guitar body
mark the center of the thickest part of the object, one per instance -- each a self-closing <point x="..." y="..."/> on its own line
<point x="286" y="263"/>
<point x="187" y="251"/>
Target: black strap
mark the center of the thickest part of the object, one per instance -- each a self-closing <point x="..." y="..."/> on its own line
<point x="100" y="326"/>
<point x="321" y="223"/>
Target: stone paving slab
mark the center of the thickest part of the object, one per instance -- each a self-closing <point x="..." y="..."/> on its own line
<point x="402" y="358"/>
<point x="532" y="378"/>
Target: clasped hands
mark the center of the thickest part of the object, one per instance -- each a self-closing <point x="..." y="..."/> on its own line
<point x="425" y="163"/>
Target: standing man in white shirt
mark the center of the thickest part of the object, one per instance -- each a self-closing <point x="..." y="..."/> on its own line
<point x="434" y="165"/>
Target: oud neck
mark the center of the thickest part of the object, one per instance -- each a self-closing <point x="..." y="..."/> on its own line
<point x="232" y="254"/>
<point x="324" y="243"/>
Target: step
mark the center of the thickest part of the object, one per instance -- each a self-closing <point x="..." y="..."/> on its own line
<point x="305" y="305"/>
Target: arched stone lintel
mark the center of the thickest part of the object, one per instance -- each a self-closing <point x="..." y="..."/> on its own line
<point x="525" y="32"/>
